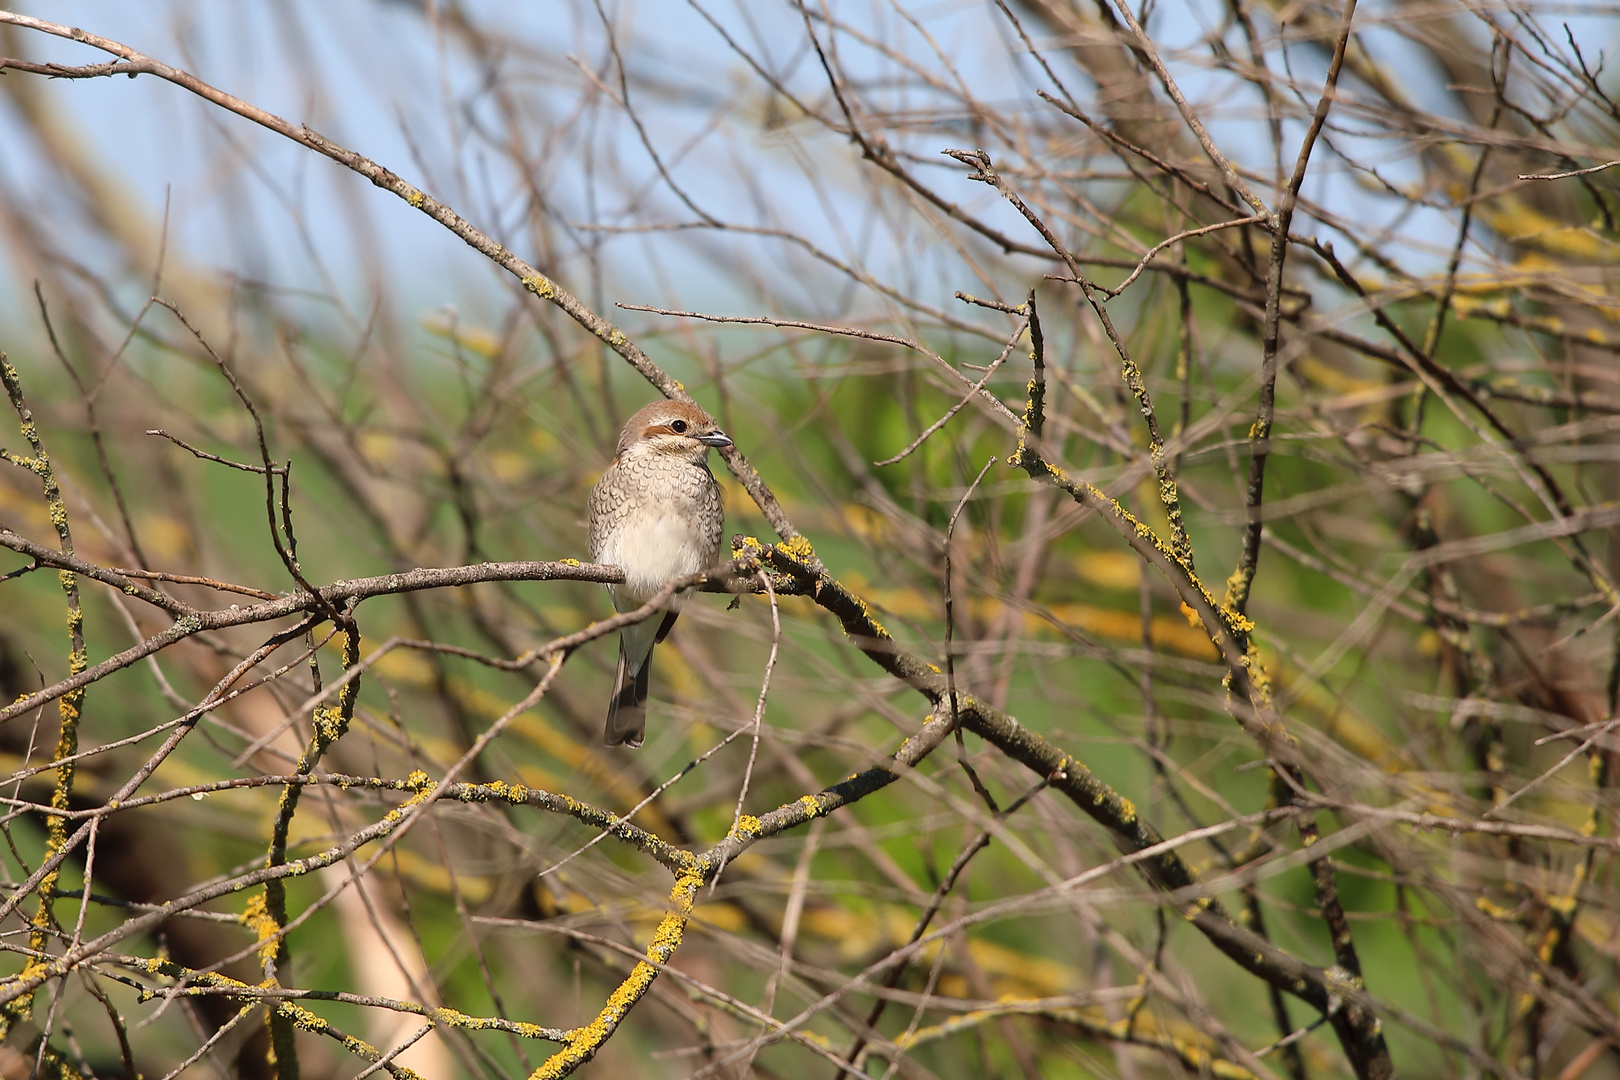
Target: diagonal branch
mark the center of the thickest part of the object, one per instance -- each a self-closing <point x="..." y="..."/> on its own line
<point x="132" y="63"/>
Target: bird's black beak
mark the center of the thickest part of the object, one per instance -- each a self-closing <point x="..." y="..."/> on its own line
<point x="718" y="439"/>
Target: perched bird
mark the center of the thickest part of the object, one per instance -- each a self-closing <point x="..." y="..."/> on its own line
<point x="656" y="513"/>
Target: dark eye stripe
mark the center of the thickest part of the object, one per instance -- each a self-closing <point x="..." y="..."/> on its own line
<point x="674" y="427"/>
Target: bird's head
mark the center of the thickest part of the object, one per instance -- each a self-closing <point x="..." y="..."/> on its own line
<point x="679" y="428"/>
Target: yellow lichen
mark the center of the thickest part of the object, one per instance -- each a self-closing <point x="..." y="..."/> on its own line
<point x="308" y="1021"/>
<point x="257" y="918"/>
<point x="583" y="1042"/>
<point x="797" y="548"/>
<point x="453" y="1018"/>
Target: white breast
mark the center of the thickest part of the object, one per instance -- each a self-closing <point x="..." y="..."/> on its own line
<point x="653" y="546"/>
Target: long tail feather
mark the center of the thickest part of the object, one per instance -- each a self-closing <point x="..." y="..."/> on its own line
<point x="627" y="708"/>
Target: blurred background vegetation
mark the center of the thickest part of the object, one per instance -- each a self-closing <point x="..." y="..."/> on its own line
<point x="1434" y="600"/>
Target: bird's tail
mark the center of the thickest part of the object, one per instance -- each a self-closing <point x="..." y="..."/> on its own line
<point x="627" y="708"/>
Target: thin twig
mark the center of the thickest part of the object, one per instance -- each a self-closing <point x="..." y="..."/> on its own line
<point x="1574" y="172"/>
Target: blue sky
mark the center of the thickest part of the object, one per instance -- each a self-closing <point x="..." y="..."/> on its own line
<point x="378" y="76"/>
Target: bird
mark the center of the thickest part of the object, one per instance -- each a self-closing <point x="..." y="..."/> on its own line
<point x="657" y="514"/>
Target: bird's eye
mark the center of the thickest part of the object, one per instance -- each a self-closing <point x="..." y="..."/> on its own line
<point x="678" y="426"/>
